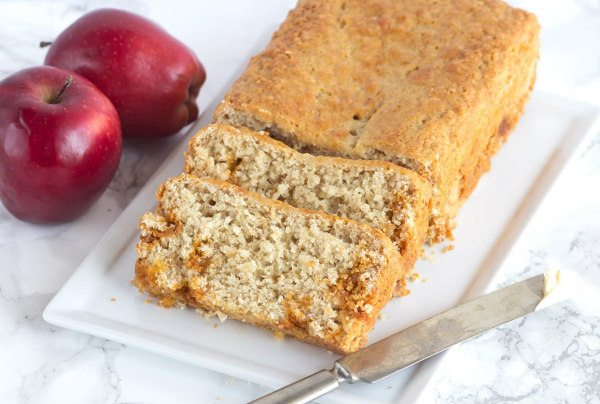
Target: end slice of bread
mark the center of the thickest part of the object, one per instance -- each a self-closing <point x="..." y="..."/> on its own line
<point x="381" y="194"/>
<point x="317" y="277"/>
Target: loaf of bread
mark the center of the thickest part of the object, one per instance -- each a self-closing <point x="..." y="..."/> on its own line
<point x="215" y="246"/>
<point x="381" y="194"/>
<point x="432" y="86"/>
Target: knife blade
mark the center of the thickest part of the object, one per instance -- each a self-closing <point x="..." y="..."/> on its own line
<point x="421" y="341"/>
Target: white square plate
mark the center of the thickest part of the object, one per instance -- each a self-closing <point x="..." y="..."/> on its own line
<point x="98" y="299"/>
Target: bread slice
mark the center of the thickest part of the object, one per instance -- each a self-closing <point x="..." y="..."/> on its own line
<point x="433" y="86"/>
<point x="381" y="194"/>
<point x="318" y="277"/>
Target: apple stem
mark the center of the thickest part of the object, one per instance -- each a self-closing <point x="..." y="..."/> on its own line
<point x="44" y="44"/>
<point x="58" y="96"/>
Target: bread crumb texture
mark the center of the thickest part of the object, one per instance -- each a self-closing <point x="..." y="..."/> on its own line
<point x="381" y="194"/>
<point x="227" y="251"/>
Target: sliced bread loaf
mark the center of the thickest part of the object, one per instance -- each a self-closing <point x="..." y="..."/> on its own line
<point x="381" y="194"/>
<point x="435" y="86"/>
<point x="215" y="246"/>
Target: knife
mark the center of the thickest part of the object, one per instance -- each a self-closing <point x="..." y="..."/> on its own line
<point x="427" y="338"/>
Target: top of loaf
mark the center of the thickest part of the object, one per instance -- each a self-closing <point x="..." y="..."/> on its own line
<point x="348" y="76"/>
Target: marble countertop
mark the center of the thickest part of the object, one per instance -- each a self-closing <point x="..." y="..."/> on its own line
<point x="553" y="356"/>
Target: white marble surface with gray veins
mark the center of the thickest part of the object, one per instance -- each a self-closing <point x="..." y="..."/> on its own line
<point x="550" y="357"/>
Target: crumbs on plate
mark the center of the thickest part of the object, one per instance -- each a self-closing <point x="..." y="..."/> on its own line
<point x="447" y="248"/>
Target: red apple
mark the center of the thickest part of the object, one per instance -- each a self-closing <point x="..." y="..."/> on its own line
<point x="60" y="144"/>
<point x="151" y="78"/>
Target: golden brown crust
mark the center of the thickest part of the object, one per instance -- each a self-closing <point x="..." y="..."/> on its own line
<point x="408" y="236"/>
<point x="432" y="87"/>
<point x="350" y="293"/>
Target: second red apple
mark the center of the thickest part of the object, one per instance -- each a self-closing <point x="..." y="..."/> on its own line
<point x="151" y="78"/>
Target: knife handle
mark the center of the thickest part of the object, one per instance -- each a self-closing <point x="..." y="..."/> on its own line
<point x="303" y="391"/>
